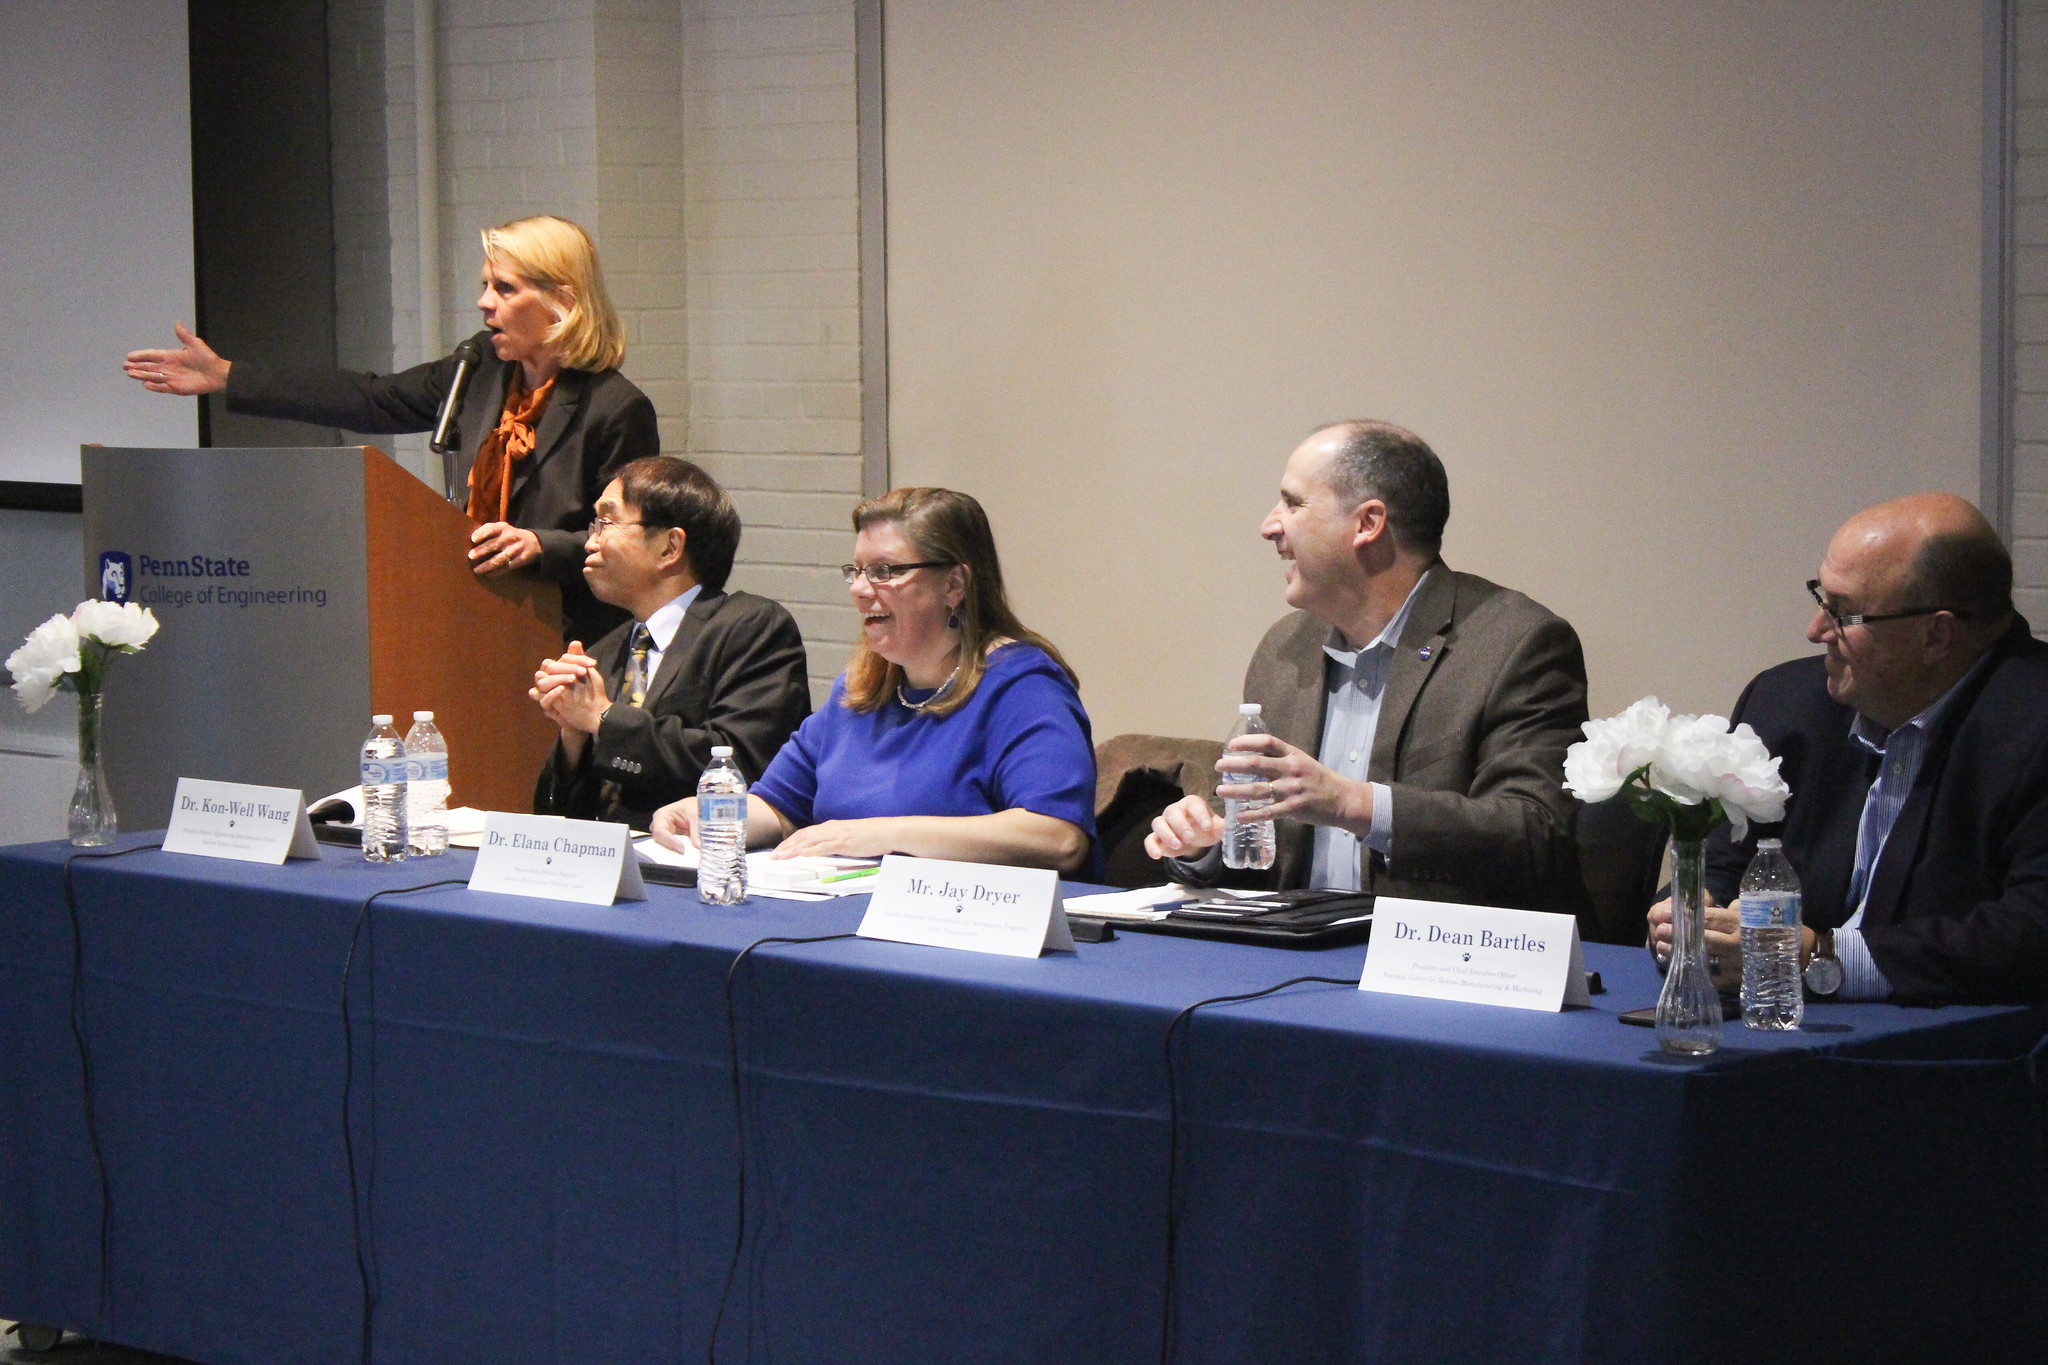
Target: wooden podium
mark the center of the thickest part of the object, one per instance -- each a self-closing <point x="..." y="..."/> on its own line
<point x="301" y="590"/>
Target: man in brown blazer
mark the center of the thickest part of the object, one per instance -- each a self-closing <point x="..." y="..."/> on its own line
<point x="1419" y="715"/>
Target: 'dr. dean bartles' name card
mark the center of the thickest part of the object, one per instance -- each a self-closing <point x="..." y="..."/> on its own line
<point x="1525" y="959"/>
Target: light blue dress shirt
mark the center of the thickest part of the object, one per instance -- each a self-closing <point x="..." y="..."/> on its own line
<point x="663" y="623"/>
<point x="1900" y="754"/>
<point x="1353" y="682"/>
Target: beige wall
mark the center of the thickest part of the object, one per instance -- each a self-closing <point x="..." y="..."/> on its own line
<point x="1671" y="287"/>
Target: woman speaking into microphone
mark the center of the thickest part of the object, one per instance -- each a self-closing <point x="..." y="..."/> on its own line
<point x="546" y="420"/>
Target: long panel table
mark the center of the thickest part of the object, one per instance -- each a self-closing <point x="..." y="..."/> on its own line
<point x="947" y="1156"/>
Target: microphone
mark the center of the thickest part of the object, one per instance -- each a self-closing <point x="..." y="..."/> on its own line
<point x="466" y="357"/>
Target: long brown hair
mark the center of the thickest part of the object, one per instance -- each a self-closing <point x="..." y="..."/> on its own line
<point x="946" y="526"/>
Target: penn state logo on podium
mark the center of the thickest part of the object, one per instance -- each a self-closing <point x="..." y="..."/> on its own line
<point x="117" y="575"/>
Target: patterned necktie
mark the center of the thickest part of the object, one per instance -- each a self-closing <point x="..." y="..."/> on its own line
<point x="611" y="797"/>
<point x="636" y="668"/>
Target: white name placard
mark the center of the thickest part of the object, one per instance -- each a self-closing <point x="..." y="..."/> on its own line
<point x="556" y="859"/>
<point x="1521" y="958"/>
<point x="234" y="820"/>
<point x="1014" y="911"/>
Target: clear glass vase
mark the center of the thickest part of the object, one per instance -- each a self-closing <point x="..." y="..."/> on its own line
<point x="92" y="803"/>
<point x="1689" y="1009"/>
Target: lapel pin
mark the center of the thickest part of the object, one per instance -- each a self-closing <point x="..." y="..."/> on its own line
<point x="1423" y="653"/>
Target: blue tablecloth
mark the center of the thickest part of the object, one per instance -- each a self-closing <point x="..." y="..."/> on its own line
<point x="950" y="1156"/>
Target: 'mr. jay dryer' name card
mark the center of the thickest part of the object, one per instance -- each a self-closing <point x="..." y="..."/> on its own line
<point x="1014" y="911"/>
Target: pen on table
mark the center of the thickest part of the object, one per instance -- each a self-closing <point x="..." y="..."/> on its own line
<point x="849" y="876"/>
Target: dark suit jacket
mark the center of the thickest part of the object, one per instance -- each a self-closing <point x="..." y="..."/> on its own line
<point x="594" y="423"/>
<point x="734" y="674"/>
<point x="1486" y="691"/>
<point x="1958" y="903"/>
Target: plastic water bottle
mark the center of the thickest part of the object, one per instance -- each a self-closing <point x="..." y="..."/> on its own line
<point x="1771" y="994"/>
<point x="1246" y="845"/>
<point x="426" y="776"/>
<point x="383" y="776"/>
<point x="722" y="831"/>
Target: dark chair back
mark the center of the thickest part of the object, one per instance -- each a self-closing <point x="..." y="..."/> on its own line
<point x="1621" y="859"/>
<point x="1136" y="777"/>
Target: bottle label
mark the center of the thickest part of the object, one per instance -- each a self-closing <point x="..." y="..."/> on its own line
<point x="722" y="807"/>
<point x="427" y="768"/>
<point x="378" y="772"/>
<point x="1770" y="910"/>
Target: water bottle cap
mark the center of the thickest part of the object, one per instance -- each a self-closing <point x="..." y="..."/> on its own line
<point x="423" y="715"/>
<point x="721" y="751"/>
<point x="1766" y="845"/>
<point x="380" y="720"/>
<point x="1249" y="708"/>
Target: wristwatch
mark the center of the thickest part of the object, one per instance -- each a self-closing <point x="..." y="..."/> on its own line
<point x="1823" y="974"/>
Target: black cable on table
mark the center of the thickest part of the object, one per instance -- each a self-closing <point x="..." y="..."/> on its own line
<point x="1166" y="1297"/>
<point x="348" y="1067"/>
<point x="739" y="1119"/>
<point x="78" y="1038"/>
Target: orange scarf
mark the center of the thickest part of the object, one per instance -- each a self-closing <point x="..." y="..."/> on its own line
<point x="490" y="476"/>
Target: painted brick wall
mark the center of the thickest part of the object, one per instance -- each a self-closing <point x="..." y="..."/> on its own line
<point x="772" y="215"/>
<point x="518" y="105"/>
<point x="2030" y="418"/>
<point x="638" y="211"/>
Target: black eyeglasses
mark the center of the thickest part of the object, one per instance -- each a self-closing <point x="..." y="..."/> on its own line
<point x="887" y="573"/>
<point x="599" y="525"/>
<point x="1843" y="620"/>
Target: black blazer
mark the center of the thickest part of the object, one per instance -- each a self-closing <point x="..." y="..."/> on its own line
<point x="594" y="423"/>
<point x="1958" y="904"/>
<point x="735" y="673"/>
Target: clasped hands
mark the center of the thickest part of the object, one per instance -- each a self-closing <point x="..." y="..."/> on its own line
<point x="1723" y="940"/>
<point x="571" y="693"/>
<point x="1299" y="787"/>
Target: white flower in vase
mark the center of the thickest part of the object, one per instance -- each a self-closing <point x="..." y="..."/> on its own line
<point x="44" y="661"/>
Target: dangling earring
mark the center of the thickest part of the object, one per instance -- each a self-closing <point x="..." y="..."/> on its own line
<point x="953" y="619"/>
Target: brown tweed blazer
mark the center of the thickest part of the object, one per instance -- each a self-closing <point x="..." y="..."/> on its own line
<point x="1486" y="691"/>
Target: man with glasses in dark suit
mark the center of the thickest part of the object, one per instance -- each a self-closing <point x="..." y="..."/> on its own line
<point x="1916" y="747"/>
<point x="696" y="666"/>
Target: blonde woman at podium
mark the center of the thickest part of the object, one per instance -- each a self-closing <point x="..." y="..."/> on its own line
<point x="545" y="419"/>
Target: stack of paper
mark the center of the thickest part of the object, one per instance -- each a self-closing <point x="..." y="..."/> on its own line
<point x="1146" y="903"/>
<point x="789" y="878"/>
<point x="465" y="823"/>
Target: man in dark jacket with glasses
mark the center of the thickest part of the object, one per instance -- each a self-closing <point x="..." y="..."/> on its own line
<point x="1916" y="747"/>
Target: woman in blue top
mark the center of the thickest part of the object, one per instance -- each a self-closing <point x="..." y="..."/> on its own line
<point x="954" y="733"/>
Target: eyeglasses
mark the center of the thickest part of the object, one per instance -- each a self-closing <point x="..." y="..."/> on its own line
<point x="879" y="574"/>
<point x="1843" y="620"/>
<point x="599" y="525"/>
